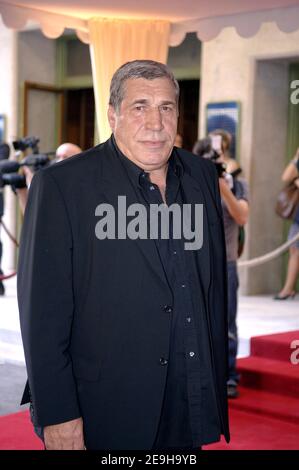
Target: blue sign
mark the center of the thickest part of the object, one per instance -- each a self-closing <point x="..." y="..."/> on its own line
<point x="225" y="116"/>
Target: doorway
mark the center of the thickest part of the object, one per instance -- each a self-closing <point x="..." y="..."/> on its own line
<point x="270" y="136"/>
<point x="79" y="117"/>
<point x="188" y="112"/>
<point x="42" y="114"/>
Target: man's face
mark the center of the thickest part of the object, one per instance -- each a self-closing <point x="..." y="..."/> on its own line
<point x="145" y="126"/>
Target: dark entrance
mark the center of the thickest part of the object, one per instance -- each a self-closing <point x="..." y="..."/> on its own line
<point x="79" y="117"/>
<point x="188" y="108"/>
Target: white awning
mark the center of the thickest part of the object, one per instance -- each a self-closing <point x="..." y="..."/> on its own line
<point x="205" y="17"/>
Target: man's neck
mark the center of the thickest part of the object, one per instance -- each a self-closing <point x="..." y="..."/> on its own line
<point x="158" y="176"/>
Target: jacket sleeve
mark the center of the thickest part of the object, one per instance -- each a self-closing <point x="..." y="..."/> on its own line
<point x="45" y="297"/>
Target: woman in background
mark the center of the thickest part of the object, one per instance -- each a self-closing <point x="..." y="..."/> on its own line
<point x="291" y="173"/>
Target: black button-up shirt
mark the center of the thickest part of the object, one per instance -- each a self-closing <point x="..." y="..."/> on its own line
<point x="189" y="415"/>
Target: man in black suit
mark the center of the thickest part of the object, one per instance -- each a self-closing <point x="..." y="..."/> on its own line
<point x="125" y="332"/>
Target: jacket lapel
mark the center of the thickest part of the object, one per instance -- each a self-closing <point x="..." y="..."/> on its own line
<point x="194" y="194"/>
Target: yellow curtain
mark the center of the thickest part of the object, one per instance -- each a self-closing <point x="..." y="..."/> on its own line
<point x="114" y="42"/>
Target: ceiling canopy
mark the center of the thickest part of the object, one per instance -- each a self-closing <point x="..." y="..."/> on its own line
<point x="205" y="17"/>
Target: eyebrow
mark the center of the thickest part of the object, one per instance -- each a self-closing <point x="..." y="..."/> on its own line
<point x="145" y="101"/>
<point x="141" y="101"/>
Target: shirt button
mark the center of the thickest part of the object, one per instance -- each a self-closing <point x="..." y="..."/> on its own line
<point x="191" y="354"/>
<point x="174" y="252"/>
<point x="152" y="188"/>
<point x="167" y="309"/>
<point x="183" y="285"/>
<point x="188" y="319"/>
<point x="163" y="361"/>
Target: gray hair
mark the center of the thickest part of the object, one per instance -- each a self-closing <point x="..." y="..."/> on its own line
<point x="148" y="69"/>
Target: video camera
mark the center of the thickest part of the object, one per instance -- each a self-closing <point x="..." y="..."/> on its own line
<point x="25" y="143"/>
<point x="210" y="147"/>
<point x="9" y="168"/>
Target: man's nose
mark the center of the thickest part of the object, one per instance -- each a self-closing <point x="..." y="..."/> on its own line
<point x="154" y="119"/>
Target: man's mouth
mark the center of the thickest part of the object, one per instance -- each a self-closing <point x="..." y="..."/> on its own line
<point x="153" y="143"/>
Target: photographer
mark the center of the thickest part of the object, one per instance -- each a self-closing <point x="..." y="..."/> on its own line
<point x="63" y="152"/>
<point x="22" y="193"/>
<point x="13" y="172"/>
<point x="18" y="174"/>
<point x="66" y="150"/>
<point x="4" y="155"/>
<point x="234" y="198"/>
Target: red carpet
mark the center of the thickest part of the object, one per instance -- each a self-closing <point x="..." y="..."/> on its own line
<point x="16" y="433"/>
<point x="264" y="417"/>
<point x="274" y="346"/>
<point x="254" y="432"/>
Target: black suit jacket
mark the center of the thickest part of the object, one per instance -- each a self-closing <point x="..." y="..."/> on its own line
<point x="92" y="312"/>
<point x="1" y="201"/>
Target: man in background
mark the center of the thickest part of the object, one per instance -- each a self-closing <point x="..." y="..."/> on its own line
<point x="4" y="155"/>
<point x="67" y="150"/>
<point x="234" y="199"/>
<point x="178" y="141"/>
<point x="63" y="152"/>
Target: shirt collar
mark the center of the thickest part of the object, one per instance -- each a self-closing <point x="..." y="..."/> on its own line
<point x="135" y="172"/>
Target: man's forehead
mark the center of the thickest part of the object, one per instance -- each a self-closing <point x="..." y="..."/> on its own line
<point x="136" y="86"/>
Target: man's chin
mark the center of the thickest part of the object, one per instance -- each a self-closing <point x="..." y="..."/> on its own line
<point x="155" y="158"/>
<point x="156" y="154"/>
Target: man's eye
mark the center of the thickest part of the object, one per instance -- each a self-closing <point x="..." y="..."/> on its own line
<point x="140" y="108"/>
<point x="166" y="109"/>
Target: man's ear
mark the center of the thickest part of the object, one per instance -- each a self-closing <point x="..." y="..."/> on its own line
<point x="112" y="117"/>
